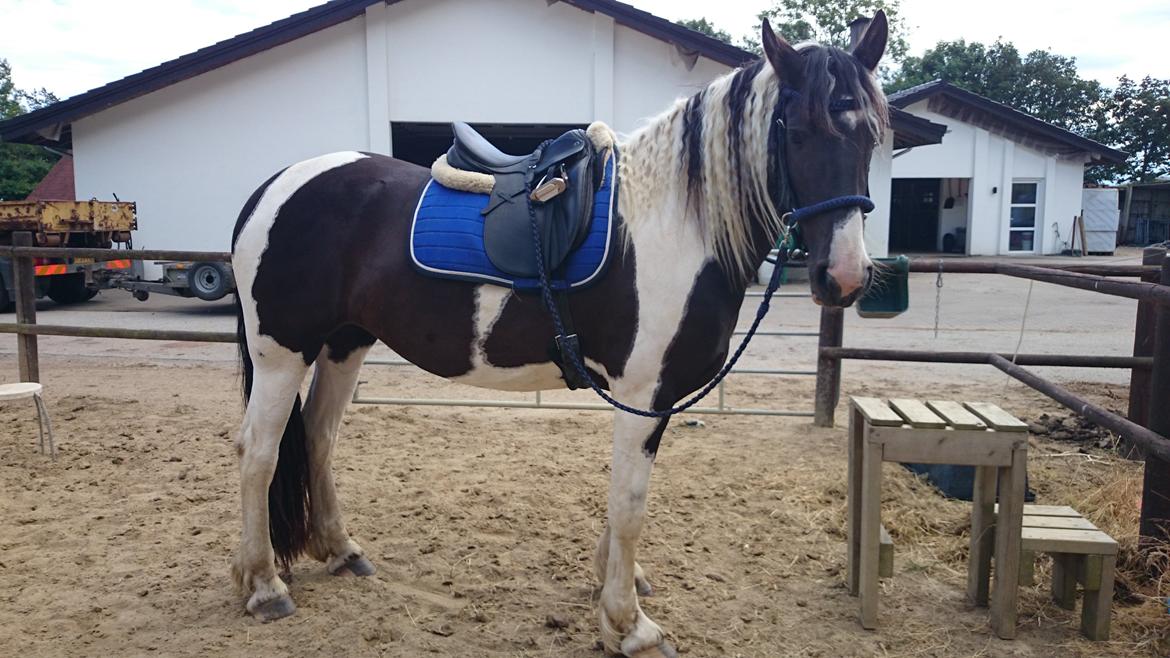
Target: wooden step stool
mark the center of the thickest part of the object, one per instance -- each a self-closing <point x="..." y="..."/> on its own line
<point x="1080" y="553"/>
<point x="939" y="432"/>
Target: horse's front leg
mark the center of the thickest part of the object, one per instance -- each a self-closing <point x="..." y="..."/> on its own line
<point x="624" y="627"/>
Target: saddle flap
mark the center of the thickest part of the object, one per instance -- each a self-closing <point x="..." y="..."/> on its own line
<point x="562" y="223"/>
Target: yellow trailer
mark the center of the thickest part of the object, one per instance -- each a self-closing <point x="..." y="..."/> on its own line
<point x="93" y="224"/>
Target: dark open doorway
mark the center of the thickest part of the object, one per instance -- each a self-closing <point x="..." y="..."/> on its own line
<point x="914" y="214"/>
<point x="421" y="143"/>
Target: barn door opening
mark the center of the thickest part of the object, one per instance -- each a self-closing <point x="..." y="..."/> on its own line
<point x="421" y="143"/>
<point x="914" y="215"/>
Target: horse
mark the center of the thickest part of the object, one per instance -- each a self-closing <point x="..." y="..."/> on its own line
<point x="322" y="273"/>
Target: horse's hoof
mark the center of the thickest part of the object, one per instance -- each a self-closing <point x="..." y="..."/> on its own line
<point x="643" y="587"/>
<point x="357" y="565"/>
<point x="663" y="650"/>
<point x="273" y="609"/>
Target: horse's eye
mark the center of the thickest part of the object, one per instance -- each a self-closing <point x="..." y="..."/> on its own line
<point x="797" y="139"/>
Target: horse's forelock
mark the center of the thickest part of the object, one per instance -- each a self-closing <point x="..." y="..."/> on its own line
<point x="831" y="73"/>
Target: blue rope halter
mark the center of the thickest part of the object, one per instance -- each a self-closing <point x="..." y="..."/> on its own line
<point x="789" y="222"/>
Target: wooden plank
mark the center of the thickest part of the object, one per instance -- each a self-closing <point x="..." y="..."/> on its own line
<point x="1047" y="510"/>
<point x="853" y="531"/>
<point x="917" y="414"/>
<point x="1008" y="526"/>
<point x="1066" y="522"/>
<point x="1064" y="581"/>
<point x="871" y="520"/>
<point x="877" y="412"/>
<point x="933" y="446"/>
<point x="885" y="555"/>
<point x="1050" y="510"/>
<point x="955" y="415"/>
<point x="982" y="535"/>
<point x="1089" y="572"/>
<point x="27" y="360"/>
<point x="1060" y="540"/>
<point x="1098" y="605"/>
<point x="996" y="418"/>
<point x="1027" y="568"/>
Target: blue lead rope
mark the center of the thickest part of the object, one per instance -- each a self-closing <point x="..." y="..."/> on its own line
<point x="864" y="203"/>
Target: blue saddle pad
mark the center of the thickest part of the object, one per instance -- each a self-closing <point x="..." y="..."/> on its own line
<point x="446" y="239"/>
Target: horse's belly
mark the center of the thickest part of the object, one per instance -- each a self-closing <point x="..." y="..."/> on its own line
<point x="535" y="377"/>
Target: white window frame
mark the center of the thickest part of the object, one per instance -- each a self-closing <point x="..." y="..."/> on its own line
<point x="1035" y="228"/>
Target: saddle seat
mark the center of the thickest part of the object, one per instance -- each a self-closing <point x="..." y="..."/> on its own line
<point x="562" y="176"/>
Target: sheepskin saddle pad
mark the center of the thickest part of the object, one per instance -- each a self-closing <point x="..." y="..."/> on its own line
<point x="474" y="218"/>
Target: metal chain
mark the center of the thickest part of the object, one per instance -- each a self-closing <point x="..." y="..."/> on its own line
<point x="938" y="285"/>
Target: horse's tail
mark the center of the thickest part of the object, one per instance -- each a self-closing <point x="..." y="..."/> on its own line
<point x="288" y="494"/>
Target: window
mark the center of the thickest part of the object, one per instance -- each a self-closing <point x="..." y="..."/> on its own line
<point x="1022" y="232"/>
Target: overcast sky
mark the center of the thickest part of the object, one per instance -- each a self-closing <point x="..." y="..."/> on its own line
<point x="69" y="46"/>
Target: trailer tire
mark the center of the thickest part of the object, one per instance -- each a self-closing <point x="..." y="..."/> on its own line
<point x="207" y="281"/>
<point x="66" y="289"/>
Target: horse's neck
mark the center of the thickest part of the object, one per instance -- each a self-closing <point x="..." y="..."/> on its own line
<point x="660" y="223"/>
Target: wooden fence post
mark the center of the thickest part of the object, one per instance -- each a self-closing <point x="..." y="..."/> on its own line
<point x="1155" y="518"/>
<point x="1143" y="345"/>
<point x="26" y="309"/>
<point x="828" y="368"/>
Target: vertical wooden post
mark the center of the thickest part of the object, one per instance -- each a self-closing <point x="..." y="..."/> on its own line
<point x="1143" y="345"/>
<point x="828" y="368"/>
<point x="26" y="309"/>
<point x="1155" y="519"/>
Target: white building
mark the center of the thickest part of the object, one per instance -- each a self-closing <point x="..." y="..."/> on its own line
<point x="190" y="139"/>
<point x="1001" y="182"/>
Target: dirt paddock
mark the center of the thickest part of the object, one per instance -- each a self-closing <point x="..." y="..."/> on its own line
<point x="482" y="524"/>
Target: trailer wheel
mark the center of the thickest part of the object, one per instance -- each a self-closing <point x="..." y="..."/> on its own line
<point x="141" y="295"/>
<point x="68" y="289"/>
<point x="207" y="281"/>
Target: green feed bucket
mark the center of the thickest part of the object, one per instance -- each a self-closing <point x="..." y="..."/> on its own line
<point x="890" y="296"/>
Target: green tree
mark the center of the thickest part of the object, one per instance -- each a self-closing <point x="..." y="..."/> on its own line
<point x="706" y="27"/>
<point x="827" y="22"/>
<point x="1132" y="117"/>
<point x="1042" y="83"/>
<point x="21" y="166"/>
<point x="1136" y="119"/>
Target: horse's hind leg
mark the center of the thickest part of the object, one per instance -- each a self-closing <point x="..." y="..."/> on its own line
<point x="276" y="381"/>
<point x="333" y="384"/>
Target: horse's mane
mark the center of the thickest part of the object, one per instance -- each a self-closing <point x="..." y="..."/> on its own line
<point x="724" y="142"/>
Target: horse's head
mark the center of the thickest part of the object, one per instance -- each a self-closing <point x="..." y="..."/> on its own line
<point x="831" y="116"/>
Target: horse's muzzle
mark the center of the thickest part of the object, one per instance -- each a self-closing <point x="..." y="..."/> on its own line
<point x="827" y="292"/>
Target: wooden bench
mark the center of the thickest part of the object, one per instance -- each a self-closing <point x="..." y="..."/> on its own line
<point x="1081" y="553"/>
<point x="939" y="432"/>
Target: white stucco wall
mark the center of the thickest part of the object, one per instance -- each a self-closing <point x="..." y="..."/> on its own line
<point x="992" y="163"/>
<point x="190" y="154"/>
<point x="877" y="223"/>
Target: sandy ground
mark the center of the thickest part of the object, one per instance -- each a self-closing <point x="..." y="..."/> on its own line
<point x="482" y="522"/>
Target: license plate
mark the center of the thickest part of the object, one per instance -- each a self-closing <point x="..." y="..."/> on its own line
<point x="82" y="261"/>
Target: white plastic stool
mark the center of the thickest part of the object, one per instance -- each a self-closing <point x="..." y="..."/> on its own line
<point x="22" y="390"/>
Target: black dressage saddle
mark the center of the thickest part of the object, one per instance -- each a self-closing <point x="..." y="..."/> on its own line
<point x="559" y="179"/>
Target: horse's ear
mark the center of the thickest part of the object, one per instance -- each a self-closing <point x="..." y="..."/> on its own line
<point x="872" y="45"/>
<point x="784" y="59"/>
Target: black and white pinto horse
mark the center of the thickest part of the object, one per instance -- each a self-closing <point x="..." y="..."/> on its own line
<point x="323" y="271"/>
